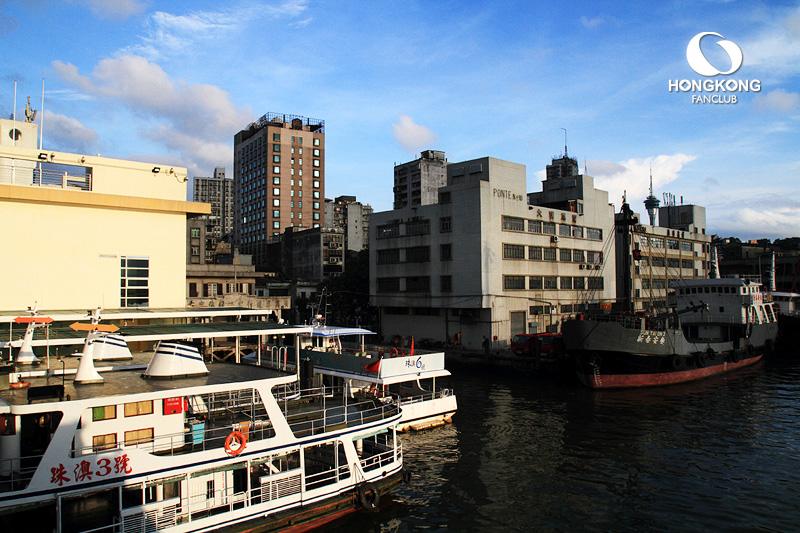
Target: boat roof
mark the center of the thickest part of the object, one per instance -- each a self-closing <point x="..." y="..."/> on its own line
<point x="59" y="336"/>
<point x="337" y="331"/>
<point x="126" y="379"/>
<point x="785" y="294"/>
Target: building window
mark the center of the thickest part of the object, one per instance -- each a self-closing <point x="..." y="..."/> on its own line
<point x="316" y="184"/>
<point x="276" y="224"/>
<point x="445" y="197"/>
<point x="388" y="284"/>
<point x="418" y="284"/>
<point x="549" y="228"/>
<point x="566" y="283"/>
<point x="276" y="191"/>
<point x="138" y="436"/>
<point x="579" y="284"/>
<point x="513" y="251"/>
<point x="513" y="224"/>
<point x="535" y="226"/>
<point x="388" y="256"/>
<point x="276" y="180"/>
<point x="594" y="284"/>
<point x="578" y="256"/>
<point x="535" y="253"/>
<point x="316" y="152"/>
<point x="106" y="412"/>
<point x="549" y="254"/>
<point x="594" y="257"/>
<point x="445" y="224"/>
<point x="418" y="254"/>
<point x="316" y="162"/>
<point x="276" y="213"/>
<point x="139" y="408"/>
<point x="316" y="205"/>
<point x="195" y="232"/>
<point x="513" y="283"/>
<point x="276" y="169"/>
<point x="564" y="230"/>
<point x="276" y="158"/>
<point x="276" y="202"/>
<point x="388" y="230"/>
<point x="535" y="282"/>
<point x="316" y="173"/>
<point x="577" y="231"/>
<point x="565" y="255"/>
<point x="316" y="195"/>
<point x="316" y="141"/>
<point x="420" y="226"/>
<point x="134" y="281"/>
<point x="276" y="147"/>
<point x="446" y="284"/>
<point x="276" y="136"/>
<point x="594" y="234"/>
<point x="446" y="252"/>
<point x="316" y="216"/>
<point x="550" y="282"/>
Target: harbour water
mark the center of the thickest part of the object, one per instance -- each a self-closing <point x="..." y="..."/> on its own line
<point x="526" y="453"/>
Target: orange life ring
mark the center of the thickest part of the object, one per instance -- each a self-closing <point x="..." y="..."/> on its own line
<point x="396" y="353"/>
<point x="241" y="442"/>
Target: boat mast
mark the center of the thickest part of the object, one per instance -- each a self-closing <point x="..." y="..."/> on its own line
<point x="623" y="224"/>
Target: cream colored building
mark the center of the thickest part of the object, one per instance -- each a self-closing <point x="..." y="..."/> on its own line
<point x="80" y="231"/>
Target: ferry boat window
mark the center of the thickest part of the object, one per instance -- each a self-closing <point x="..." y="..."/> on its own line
<point x="104" y="442"/>
<point x="132" y="496"/>
<point x="7" y="425"/>
<point x="139" y="408"/>
<point x="138" y="436"/>
<point x="106" y="412"/>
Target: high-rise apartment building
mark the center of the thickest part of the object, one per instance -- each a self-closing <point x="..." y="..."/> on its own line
<point x="217" y="191"/>
<point x="279" y="180"/>
<point x="351" y="216"/>
<point x="417" y="182"/>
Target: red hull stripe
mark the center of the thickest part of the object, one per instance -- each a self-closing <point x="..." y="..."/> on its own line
<point x="614" y="381"/>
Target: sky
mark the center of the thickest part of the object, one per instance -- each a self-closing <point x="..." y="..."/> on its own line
<point x="172" y="82"/>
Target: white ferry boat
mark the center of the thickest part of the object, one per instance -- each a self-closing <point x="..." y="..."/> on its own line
<point x="187" y="446"/>
<point x="387" y="373"/>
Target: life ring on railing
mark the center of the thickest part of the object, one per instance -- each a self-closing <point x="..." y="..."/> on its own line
<point x="241" y="442"/>
<point x="368" y="496"/>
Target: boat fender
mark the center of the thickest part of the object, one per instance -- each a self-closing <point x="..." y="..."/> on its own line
<point x="675" y="362"/>
<point x="734" y="356"/>
<point x="368" y="496"/>
<point x="240" y="440"/>
<point x="701" y="359"/>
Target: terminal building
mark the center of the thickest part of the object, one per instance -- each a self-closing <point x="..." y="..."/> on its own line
<point x="87" y="231"/>
<point x="485" y="260"/>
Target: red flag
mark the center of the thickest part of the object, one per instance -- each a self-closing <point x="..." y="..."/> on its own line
<point x="373" y="367"/>
<point x="412" y="345"/>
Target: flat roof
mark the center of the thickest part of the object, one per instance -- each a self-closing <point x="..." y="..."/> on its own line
<point x="139" y="313"/>
<point x="59" y="336"/>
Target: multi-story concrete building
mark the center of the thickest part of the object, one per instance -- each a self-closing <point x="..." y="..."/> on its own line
<point x="279" y="180"/>
<point x="90" y="231"/>
<point x="678" y="248"/>
<point x="481" y="262"/>
<point x="417" y="182"/>
<point x="217" y="191"/>
<point x="352" y="217"/>
<point x="312" y="254"/>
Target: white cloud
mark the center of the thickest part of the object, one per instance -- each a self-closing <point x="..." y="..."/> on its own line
<point x="776" y="222"/>
<point x="632" y="177"/>
<point x="592" y="23"/>
<point x="413" y="137"/>
<point x="67" y="134"/>
<point x="777" y="49"/>
<point x="196" y="119"/>
<point x="171" y="35"/>
<point x="778" y="100"/>
<point x="116" y="9"/>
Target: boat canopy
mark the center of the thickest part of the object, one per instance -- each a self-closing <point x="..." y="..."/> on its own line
<point x="335" y="331"/>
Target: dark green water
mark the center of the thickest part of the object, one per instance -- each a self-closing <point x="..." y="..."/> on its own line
<point x="526" y="453"/>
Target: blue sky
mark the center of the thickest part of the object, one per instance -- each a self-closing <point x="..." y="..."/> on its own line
<point x="172" y="82"/>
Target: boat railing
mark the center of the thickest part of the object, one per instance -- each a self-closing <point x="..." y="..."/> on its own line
<point x="382" y="351"/>
<point x="156" y="519"/>
<point x="113" y="528"/>
<point x="435" y="395"/>
<point x="331" y="418"/>
<point x="14" y="476"/>
<point x="633" y="321"/>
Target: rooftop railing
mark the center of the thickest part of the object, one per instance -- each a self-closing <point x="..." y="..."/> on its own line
<point x="23" y="173"/>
